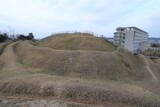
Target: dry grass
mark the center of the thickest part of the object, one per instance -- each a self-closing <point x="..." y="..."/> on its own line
<point x="83" y="64"/>
<point x="3" y="45"/>
<point x="88" y="91"/>
<point x="76" y="41"/>
<point x="78" y="74"/>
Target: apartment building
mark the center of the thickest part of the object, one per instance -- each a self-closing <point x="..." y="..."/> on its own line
<point x="131" y="38"/>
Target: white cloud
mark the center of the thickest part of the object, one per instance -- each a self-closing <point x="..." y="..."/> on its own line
<point x="101" y="16"/>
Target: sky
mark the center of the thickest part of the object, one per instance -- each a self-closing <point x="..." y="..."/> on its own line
<point x="45" y="17"/>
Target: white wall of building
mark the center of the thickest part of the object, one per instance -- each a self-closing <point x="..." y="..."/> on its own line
<point x="131" y="38"/>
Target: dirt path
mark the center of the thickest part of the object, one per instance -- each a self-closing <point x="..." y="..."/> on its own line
<point x="10" y="59"/>
<point x="48" y="102"/>
<point x="149" y="69"/>
<point x="39" y="102"/>
<point x="3" y="46"/>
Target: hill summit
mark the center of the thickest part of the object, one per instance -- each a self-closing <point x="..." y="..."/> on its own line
<point x="76" y="41"/>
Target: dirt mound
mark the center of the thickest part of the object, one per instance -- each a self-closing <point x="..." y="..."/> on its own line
<point x="80" y="75"/>
<point x="83" y="64"/>
<point x="76" y="41"/>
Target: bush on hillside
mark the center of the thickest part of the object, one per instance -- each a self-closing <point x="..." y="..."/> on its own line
<point x="3" y="37"/>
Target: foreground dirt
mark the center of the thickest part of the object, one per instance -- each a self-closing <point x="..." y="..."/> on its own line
<point x="12" y="101"/>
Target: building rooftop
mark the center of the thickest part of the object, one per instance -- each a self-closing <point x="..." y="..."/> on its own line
<point x="123" y="28"/>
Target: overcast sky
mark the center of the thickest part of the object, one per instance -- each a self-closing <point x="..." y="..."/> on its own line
<point x="43" y="17"/>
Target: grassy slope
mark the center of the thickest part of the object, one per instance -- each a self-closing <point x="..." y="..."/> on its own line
<point x="95" y="76"/>
<point x="76" y="41"/>
<point x="83" y="64"/>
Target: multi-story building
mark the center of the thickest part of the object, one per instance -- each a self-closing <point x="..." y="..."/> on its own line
<point x="131" y="38"/>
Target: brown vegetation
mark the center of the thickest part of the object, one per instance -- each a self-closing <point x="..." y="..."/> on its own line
<point x="98" y="74"/>
<point x="76" y="41"/>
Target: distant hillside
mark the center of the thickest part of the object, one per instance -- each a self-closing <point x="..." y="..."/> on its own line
<point x="76" y="41"/>
<point x="152" y="38"/>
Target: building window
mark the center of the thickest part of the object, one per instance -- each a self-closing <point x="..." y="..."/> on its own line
<point x="123" y="37"/>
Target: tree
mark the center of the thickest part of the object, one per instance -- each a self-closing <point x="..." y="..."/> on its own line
<point x="30" y="36"/>
<point x="23" y="37"/>
<point x="3" y="37"/>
